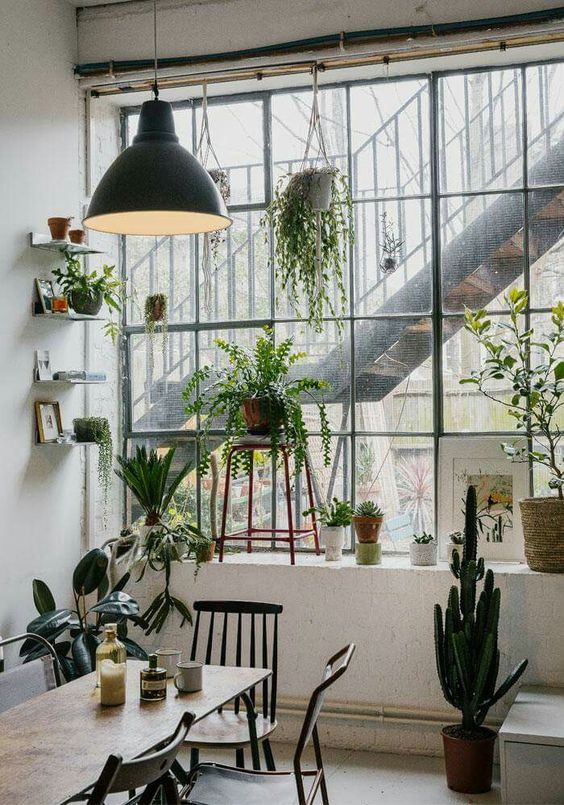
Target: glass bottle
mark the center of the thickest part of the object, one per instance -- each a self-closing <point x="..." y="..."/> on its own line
<point x="110" y="649"/>
<point x="153" y="681"/>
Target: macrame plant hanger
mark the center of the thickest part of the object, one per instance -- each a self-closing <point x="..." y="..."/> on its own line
<point x="204" y="150"/>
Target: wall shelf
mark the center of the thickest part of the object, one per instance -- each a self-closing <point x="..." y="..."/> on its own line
<point x="64" y="444"/>
<point x="71" y="316"/>
<point x="70" y="382"/>
<point x="38" y="241"/>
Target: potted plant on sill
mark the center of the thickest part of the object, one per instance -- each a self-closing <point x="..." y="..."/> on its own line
<point x="97" y="429"/>
<point x="85" y="623"/>
<point x="256" y="395"/>
<point x="455" y="543"/>
<point x="334" y="518"/>
<point x="423" y="550"/>
<point x="86" y="293"/>
<point x="367" y="521"/>
<point x="467" y="658"/>
<point x="533" y="368"/>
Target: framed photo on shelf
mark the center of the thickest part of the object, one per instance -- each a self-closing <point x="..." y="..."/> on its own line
<point x="43" y="365"/>
<point x="46" y="294"/>
<point x="500" y="483"/>
<point x="48" y="421"/>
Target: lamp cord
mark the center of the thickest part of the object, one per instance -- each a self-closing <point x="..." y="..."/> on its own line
<point x="155" y="85"/>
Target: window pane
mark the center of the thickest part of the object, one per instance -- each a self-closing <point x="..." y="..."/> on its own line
<point x="545" y="123"/>
<point x="236" y="130"/>
<point x="239" y="280"/>
<point x="546" y="246"/>
<point x="480" y="131"/>
<point x="161" y="265"/>
<point x="393" y="375"/>
<point x="481" y="249"/>
<point x="408" y="288"/>
<point x="398" y="474"/>
<point x="390" y="138"/>
<point x="157" y="385"/>
<point x="543" y="326"/>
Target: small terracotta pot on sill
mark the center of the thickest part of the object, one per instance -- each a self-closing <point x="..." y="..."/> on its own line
<point x="367" y="529"/>
<point x="59" y="227"/>
<point x="77" y="236"/>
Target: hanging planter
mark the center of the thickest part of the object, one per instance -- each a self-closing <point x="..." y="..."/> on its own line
<point x="97" y="429"/>
<point x="391" y="247"/>
<point x="311" y="219"/>
<point x="156" y="317"/>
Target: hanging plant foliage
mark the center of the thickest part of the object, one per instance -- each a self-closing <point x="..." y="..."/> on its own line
<point x="391" y="246"/>
<point x="156" y="318"/>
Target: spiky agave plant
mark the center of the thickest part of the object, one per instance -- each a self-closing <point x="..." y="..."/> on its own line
<point x="466" y="640"/>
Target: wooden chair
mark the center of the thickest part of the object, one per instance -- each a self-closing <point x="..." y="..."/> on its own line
<point x="239" y="622"/>
<point x="37" y="676"/>
<point x="151" y="772"/>
<point x="215" y="784"/>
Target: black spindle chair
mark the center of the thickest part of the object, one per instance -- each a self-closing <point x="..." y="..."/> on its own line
<point x="241" y="633"/>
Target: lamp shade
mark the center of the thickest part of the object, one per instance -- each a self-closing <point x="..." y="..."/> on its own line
<point x="156" y="187"/>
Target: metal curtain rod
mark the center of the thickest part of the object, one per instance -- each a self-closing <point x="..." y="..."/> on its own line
<point x="341" y="39"/>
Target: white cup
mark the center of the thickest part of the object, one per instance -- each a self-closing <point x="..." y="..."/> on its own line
<point x="169" y="659"/>
<point x="189" y="676"/>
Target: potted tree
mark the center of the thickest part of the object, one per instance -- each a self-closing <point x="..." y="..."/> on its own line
<point x="467" y="658"/>
<point x="367" y="520"/>
<point x="532" y="367"/>
<point x="256" y="394"/>
<point x="334" y="518"/>
<point x="97" y="429"/>
<point x="423" y="550"/>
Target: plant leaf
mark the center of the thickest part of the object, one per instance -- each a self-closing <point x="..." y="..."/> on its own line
<point x="133" y="649"/>
<point x="117" y="603"/>
<point x="84" y="652"/>
<point x="48" y="623"/>
<point x="90" y="572"/>
<point x="43" y="597"/>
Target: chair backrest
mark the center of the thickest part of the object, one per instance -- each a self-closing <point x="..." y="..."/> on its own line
<point x="333" y="670"/>
<point x="35" y="676"/>
<point x="238" y="644"/>
<point x="146" y="770"/>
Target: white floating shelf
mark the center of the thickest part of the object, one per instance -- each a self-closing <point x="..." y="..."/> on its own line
<point x="71" y="382"/>
<point x="64" y="444"/>
<point x="38" y="241"/>
<point x="70" y="316"/>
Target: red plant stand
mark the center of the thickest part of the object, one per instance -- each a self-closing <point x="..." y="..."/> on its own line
<point x="250" y="533"/>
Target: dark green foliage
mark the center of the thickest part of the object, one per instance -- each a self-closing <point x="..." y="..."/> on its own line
<point x="336" y="513"/>
<point x="466" y="640"/>
<point x="85" y="622"/>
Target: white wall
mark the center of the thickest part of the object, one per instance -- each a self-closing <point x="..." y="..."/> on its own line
<point x="40" y="487"/>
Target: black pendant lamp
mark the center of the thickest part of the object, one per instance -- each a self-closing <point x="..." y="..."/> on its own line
<point x="156" y="187"/>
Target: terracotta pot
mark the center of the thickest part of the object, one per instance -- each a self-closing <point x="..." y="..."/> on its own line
<point x="468" y="761"/>
<point x="157" y="311"/>
<point x="543" y="529"/>
<point x="208" y="555"/>
<point x="77" y="236"/>
<point x="367" y="529"/>
<point x="84" y="304"/>
<point x="255" y="414"/>
<point x="59" y="227"/>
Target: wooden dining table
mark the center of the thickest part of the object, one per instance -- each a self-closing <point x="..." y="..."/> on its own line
<point x="55" y="745"/>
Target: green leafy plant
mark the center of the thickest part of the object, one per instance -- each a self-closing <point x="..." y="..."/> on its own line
<point x="310" y="247"/>
<point x="155" y="315"/>
<point x="97" y="429"/>
<point x="94" y="606"/>
<point x="260" y="373"/>
<point x="423" y="539"/>
<point x="335" y="513"/>
<point x="466" y="640"/>
<point x="368" y="508"/>
<point x="73" y="281"/>
<point x="531" y="367"/>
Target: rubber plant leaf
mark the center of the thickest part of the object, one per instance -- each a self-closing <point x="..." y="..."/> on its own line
<point x="48" y="623"/>
<point x="117" y="603"/>
<point x="90" y="572"/>
<point x="84" y="652"/>
<point x="43" y="597"/>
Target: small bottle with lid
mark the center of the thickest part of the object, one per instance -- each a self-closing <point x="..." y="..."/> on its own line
<point x="153" y="681"/>
<point x="110" y="649"/>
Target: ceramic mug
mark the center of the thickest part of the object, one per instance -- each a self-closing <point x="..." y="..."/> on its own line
<point x="169" y="659"/>
<point x="189" y="676"/>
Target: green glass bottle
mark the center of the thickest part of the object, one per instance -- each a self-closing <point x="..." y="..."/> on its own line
<point x="153" y="681"/>
<point x="110" y="649"/>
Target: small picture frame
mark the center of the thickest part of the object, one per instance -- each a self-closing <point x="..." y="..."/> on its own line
<point x="43" y="365"/>
<point x="46" y="294"/>
<point x="48" y="421"/>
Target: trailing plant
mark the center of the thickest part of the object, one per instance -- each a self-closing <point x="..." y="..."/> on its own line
<point x="260" y="373"/>
<point x="92" y="286"/>
<point x="368" y="508"/>
<point x="423" y="539"/>
<point x="466" y="640"/>
<point x="333" y="514"/>
<point x="94" y="606"/>
<point x="97" y="429"/>
<point x="531" y="366"/>
<point x="310" y="246"/>
<point x="391" y="246"/>
<point x="155" y="315"/>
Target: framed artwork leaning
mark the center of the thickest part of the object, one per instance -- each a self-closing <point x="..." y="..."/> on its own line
<point x="48" y="421"/>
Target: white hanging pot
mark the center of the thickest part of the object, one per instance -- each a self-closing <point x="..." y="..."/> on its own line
<point x="320" y="190"/>
<point x="333" y="537"/>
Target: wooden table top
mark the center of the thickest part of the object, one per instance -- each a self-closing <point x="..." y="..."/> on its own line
<point x="56" y="744"/>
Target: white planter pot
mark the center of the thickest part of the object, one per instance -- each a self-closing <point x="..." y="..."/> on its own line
<point x="423" y="555"/>
<point x="451" y="547"/>
<point x="333" y="538"/>
<point x="320" y="190"/>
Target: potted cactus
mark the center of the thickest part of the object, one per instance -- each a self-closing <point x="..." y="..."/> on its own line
<point x="467" y="657"/>
<point x="334" y="517"/>
<point x="455" y="543"/>
<point x="423" y="550"/>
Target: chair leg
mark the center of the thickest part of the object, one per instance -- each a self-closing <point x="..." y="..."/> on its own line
<point x="225" y="505"/>
<point x="170" y="790"/>
<point x="194" y="757"/>
<point x="289" y="506"/>
<point x="240" y="758"/>
<point x="268" y="756"/>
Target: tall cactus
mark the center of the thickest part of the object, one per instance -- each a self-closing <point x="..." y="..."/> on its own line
<point x="466" y="640"/>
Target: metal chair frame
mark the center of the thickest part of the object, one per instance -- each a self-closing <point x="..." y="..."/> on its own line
<point x="45" y="643"/>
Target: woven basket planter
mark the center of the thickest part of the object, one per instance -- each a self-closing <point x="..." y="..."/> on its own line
<point x="543" y="528"/>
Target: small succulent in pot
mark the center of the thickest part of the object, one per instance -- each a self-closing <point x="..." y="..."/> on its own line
<point x="97" y="429"/>
<point x="367" y="520"/>
<point x="455" y="543"/>
<point x="334" y="517"/>
<point x="391" y="246"/>
<point x="423" y="550"/>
